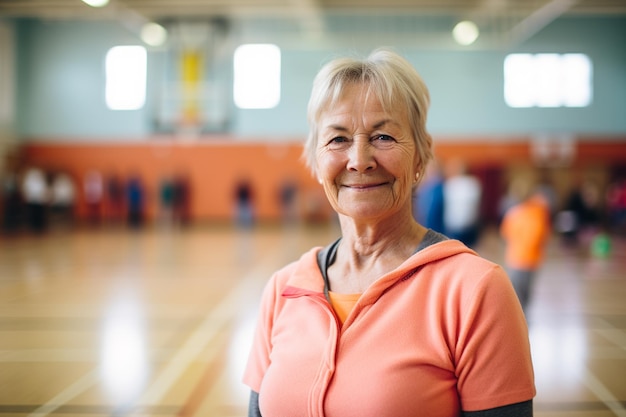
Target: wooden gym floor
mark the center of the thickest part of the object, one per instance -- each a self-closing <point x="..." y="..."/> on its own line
<point x="111" y="322"/>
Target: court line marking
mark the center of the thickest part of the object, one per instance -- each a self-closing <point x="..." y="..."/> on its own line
<point x="603" y="393"/>
<point x="75" y="389"/>
<point x="200" y="338"/>
<point x="183" y="357"/>
<point x="616" y="336"/>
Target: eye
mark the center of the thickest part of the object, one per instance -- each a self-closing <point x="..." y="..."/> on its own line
<point x="338" y="142"/>
<point x="338" y="139"/>
<point x="383" y="139"/>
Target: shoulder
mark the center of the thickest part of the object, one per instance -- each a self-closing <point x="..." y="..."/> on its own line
<point x="302" y="273"/>
<point x="456" y="271"/>
<point x="451" y="255"/>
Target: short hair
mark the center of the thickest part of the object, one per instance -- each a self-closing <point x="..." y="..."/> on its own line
<point x="390" y="77"/>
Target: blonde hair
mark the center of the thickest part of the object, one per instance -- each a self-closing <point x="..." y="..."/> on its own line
<point x="390" y="77"/>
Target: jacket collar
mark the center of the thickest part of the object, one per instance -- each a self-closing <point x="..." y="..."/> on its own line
<point x="307" y="279"/>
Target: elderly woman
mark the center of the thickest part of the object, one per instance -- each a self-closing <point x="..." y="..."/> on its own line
<point x="392" y="319"/>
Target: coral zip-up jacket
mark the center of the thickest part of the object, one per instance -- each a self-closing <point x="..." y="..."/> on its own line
<point x="443" y="332"/>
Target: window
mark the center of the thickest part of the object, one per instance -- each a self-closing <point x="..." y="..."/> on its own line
<point x="126" y="68"/>
<point x="547" y="80"/>
<point x="257" y="76"/>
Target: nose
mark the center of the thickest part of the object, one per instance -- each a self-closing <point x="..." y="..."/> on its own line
<point x="361" y="156"/>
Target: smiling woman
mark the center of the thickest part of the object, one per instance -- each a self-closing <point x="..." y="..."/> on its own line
<point x="392" y="318"/>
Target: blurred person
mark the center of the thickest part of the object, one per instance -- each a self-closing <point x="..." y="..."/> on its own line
<point x="167" y="200"/>
<point x="287" y="194"/>
<point x="63" y="198"/>
<point x="428" y="201"/>
<point x="244" y="203"/>
<point x="93" y="187"/>
<point x="593" y="218"/>
<point x="114" y="198"/>
<point x="136" y="199"/>
<point x="581" y="215"/>
<point x="36" y="195"/>
<point x="546" y="186"/>
<point x="462" y="199"/>
<point x="182" y="199"/>
<point x="516" y="192"/>
<point x="591" y="203"/>
<point x="391" y="319"/>
<point x="510" y="198"/>
<point x="616" y="206"/>
<point x="11" y="200"/>
<point x="526" y="230"/>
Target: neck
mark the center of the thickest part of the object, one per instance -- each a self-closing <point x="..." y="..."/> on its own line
<point x="366" y="242"/>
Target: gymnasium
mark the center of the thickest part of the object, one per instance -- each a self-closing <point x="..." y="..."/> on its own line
<point x="152" y="181"/>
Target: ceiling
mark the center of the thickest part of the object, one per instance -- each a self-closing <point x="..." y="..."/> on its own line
<point x="167" y="9"/>
<point x="508" y="19"/>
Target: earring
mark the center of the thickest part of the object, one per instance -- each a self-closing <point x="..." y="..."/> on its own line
<point x="417" y="177"/>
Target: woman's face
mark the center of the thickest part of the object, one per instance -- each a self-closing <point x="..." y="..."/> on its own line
<point x="366" y="158"/>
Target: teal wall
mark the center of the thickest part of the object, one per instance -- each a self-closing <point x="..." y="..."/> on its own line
<point x="60" y="93"/>
<point x="61" y="81"/>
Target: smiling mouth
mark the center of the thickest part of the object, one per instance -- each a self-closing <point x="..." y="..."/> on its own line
<point x="364" y="186"/>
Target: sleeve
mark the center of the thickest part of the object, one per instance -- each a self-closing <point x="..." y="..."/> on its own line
<point x="253" y="408"/>
<point x="259" y="357"/>
<point x="523" y="409"/>
<point x="493" y="358"/>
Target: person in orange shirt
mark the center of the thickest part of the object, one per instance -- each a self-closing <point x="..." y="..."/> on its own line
<point x="526" y="229"/>
<point x="392" y="318"/>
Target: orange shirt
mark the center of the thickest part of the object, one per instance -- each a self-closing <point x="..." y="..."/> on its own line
<point x="343" y="304"/>
<point x="525" y="229"/>
<point x="443" y="332"/>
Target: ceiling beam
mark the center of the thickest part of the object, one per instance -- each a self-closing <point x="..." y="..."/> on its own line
<point x="310" y="15"/>
<point x="539" y="19"/>
<point x="507" y="23"/>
